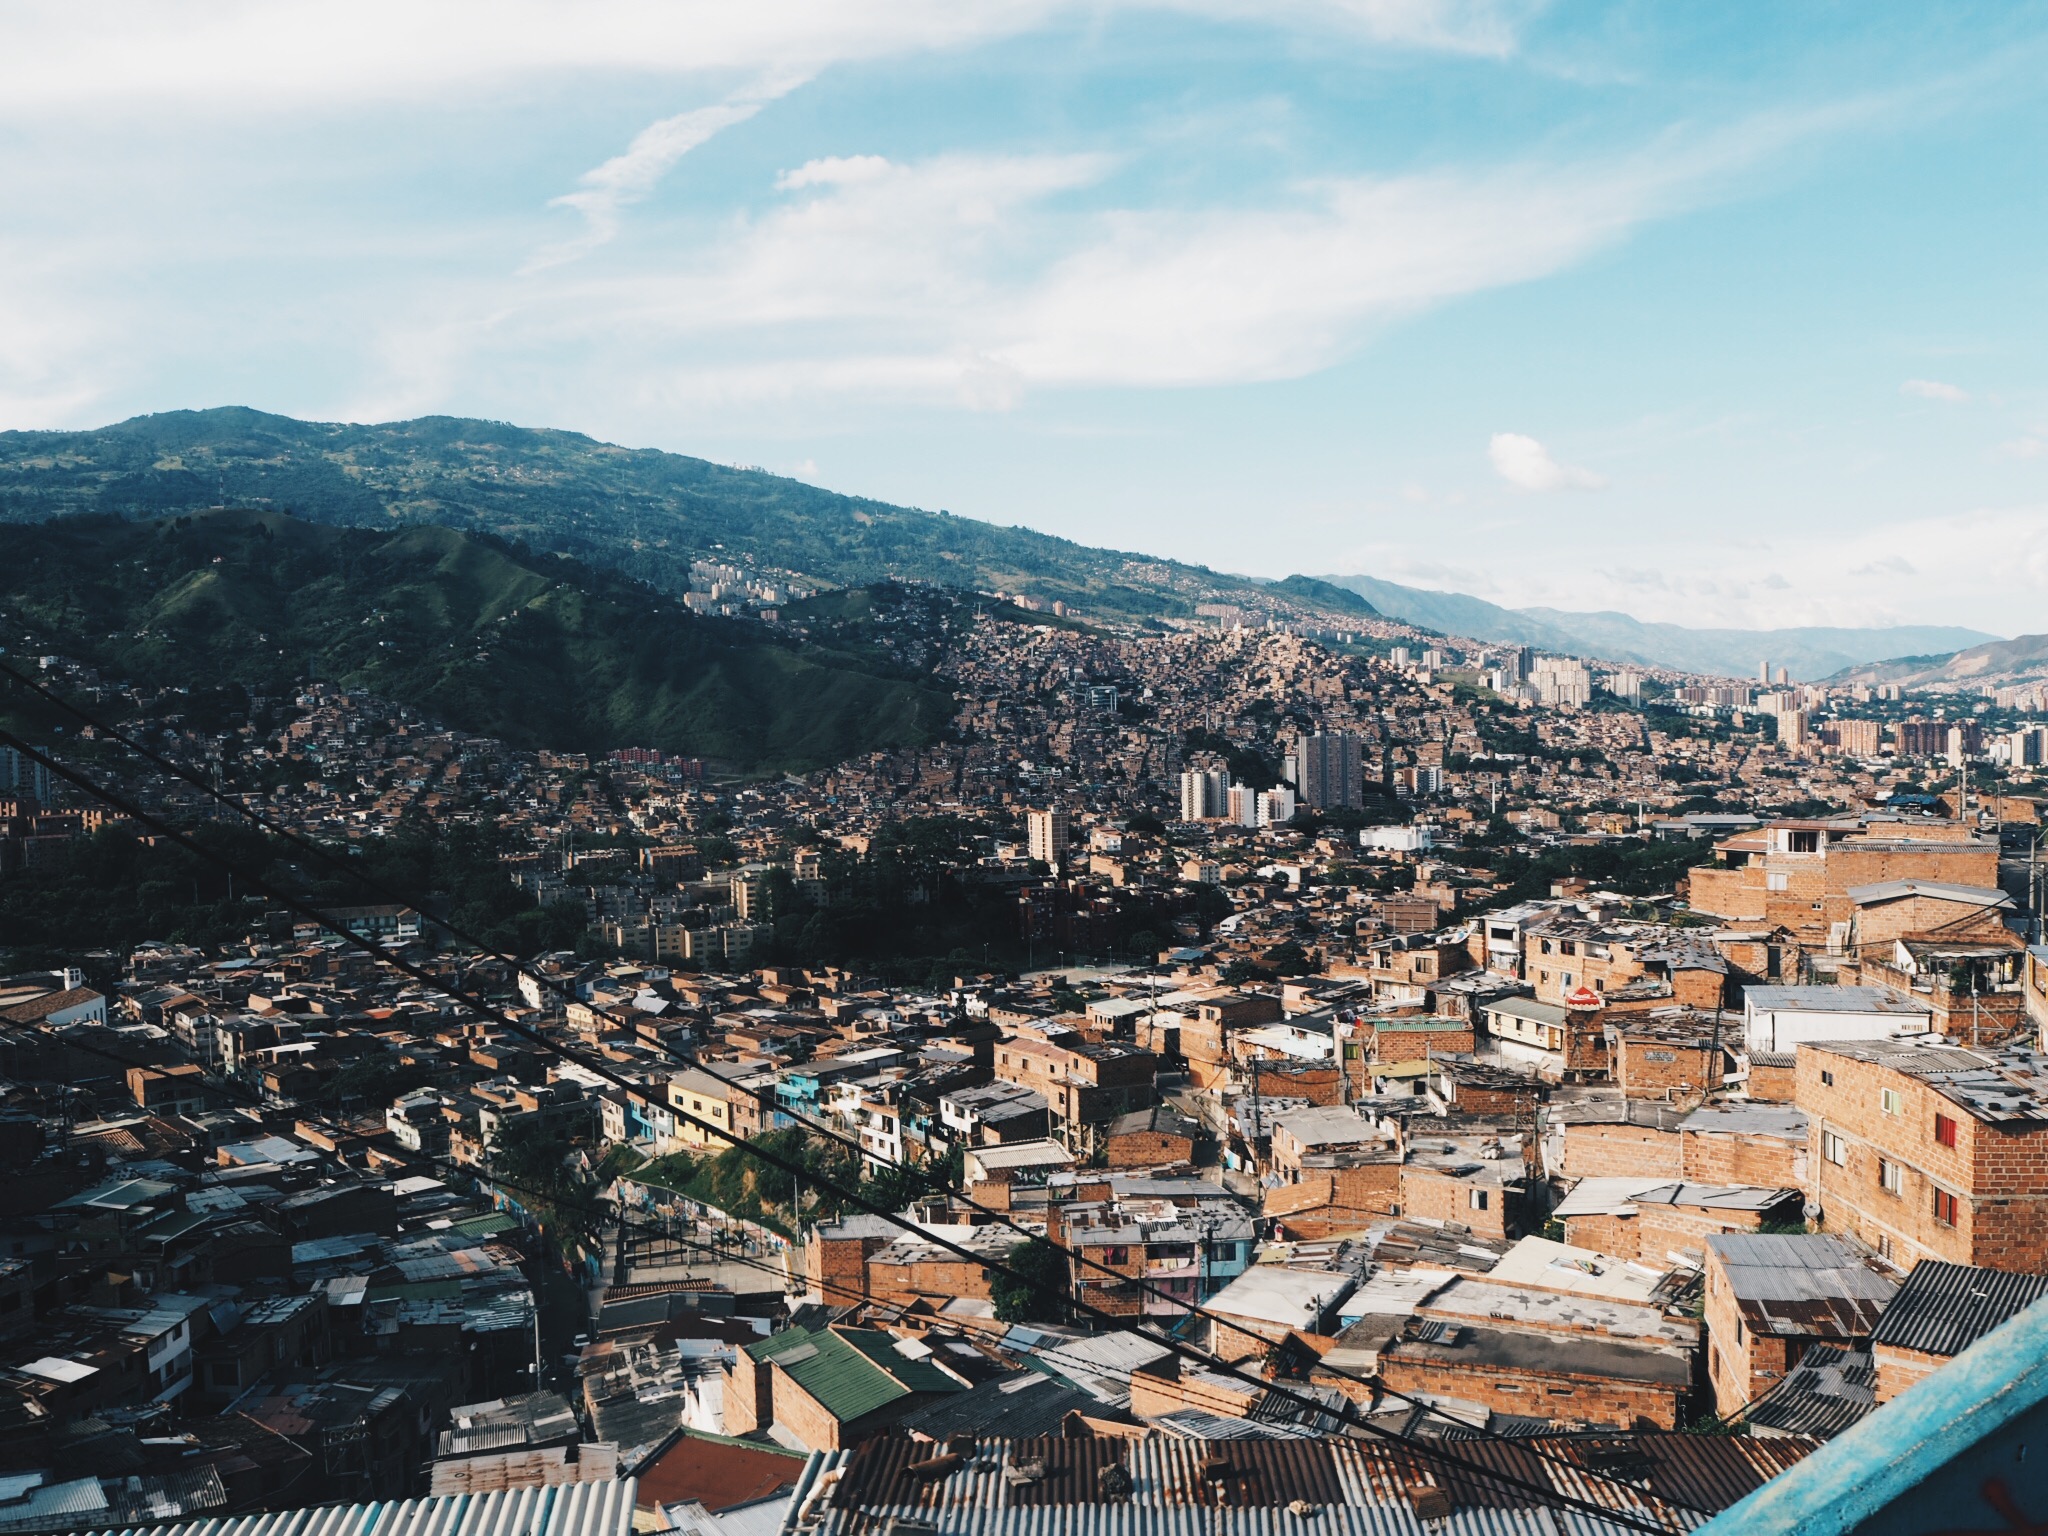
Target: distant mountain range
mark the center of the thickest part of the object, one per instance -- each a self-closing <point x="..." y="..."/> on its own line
<point x="533" y="649"/>
<point x="647" y="514"/>
<point x="1807" y="653"/>
<point x="2019" y="660"/>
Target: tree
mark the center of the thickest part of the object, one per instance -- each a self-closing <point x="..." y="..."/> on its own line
<point x="1037" y="1293"/>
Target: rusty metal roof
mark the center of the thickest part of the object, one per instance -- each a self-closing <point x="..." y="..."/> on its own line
<point x="1242" y="1487"/>
<point x="1805" y="1286"/>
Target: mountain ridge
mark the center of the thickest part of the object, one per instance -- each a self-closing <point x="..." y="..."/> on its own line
<point x="641" y="511"/>
<point x="647" y="514"/>
<point x="2023" y="658"/>
<point x="1807" y="652"/>
<point x="534" y="650"/>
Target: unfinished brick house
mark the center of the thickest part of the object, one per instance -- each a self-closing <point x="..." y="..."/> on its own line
<point x="1771" y="1298"/>
<point x="1798" y="875"/>
<point x="1924" y="1150"/>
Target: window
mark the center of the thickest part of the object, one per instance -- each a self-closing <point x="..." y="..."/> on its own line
<point x="1478" y="1199"/>
<point x="1567" y="947"/>
<point x="1827" y="1078"/>
<point x="1888" y="1176"/>
<point x="1944" y="1131"/>
<point x="1884" y="1245"/>
<point x="1944" y="1207"/>
<point x="1834" y="1149"/>
<point x="1891" y="1101"/>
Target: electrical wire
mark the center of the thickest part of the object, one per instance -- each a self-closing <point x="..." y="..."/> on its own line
<point x="1078" y="1260"/>
<point x="554" y="985"/>
<point x="601" y="1069"/>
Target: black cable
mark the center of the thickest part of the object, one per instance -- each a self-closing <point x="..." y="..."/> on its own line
<point x="766" y="1100"/>
<point x="1077" y="1259"/>
<point x="497" y="1015"/>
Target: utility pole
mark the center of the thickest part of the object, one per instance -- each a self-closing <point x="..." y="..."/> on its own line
<point x="1258" y="1117"/>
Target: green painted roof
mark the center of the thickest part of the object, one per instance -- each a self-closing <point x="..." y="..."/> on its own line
<point x="484" y="1226"/>
<point x="850" y="1372"/>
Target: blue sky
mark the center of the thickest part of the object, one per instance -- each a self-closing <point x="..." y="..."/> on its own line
<point x="1725" y="314"/>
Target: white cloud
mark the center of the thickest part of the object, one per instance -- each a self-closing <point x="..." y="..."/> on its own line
<point x="1934" y="389"/>
<point x="237" y="57"/>
<point x="833" y="171"/>
<point x="630" y="177"/>
<point x="976" y="278"/>
<point x="1528" y="466"/>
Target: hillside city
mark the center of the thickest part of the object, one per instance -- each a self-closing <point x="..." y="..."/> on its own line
<point x="1296" y="1061"/>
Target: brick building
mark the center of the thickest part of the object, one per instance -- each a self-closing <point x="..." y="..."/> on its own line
<point x="1474" y="1195"/>
<point x="1348" y="1196"/>
<point x="1924" y="1150"/>
<point x="1678" y="1055"/>
<point x="1562" y="952"/>
<point x="1771" y="1298"/>
<point x="1798" y="875"/>
<point x="1533" y="1372"/>
<point x="830" y="1388"/>
<point x="1193" y="1027"/>
<point x="836" y="1257"/>
<point x="1908" y="909"/>
<point x="1731" y="1141"/>
<point x="1415" y="1039"/>
<point x="1086" y="1085"/>
<point x="913" y="1268"/>
<point x="1302" y="1132"/>
<point x="1152" y="1138"/>
<point x="1939" y="1312"/>
<point x="1666" y="1223"/>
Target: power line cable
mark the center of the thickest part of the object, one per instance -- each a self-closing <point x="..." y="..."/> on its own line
<point x="1078" y="1260"/>
<point x="255" y="1097"/>
<point x="210" y="787"/>
<point x="490" y="1011"/>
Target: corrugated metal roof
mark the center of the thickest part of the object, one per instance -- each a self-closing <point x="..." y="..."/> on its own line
<point x="574" y="1509"/>
<point x="1943" y="1309"/>
<point x="1023" y="1404"/>
<point x="1198" y="1486"/>
<point x="1809" y="1286"/>
<point x="1828" y="1390"/>
<point x="851" y="1372"/>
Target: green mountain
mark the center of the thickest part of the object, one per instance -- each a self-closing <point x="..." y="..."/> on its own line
<point x="2001" y="663"/>
<point x="639" y="511"/>
<point x="1807" y="652"/>
<point x="538" y="650"/>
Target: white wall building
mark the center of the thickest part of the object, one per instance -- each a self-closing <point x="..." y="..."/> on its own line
<point x="1783" y="1018"/>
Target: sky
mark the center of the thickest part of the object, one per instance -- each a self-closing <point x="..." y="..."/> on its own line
<point x="1723" y="314"/>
